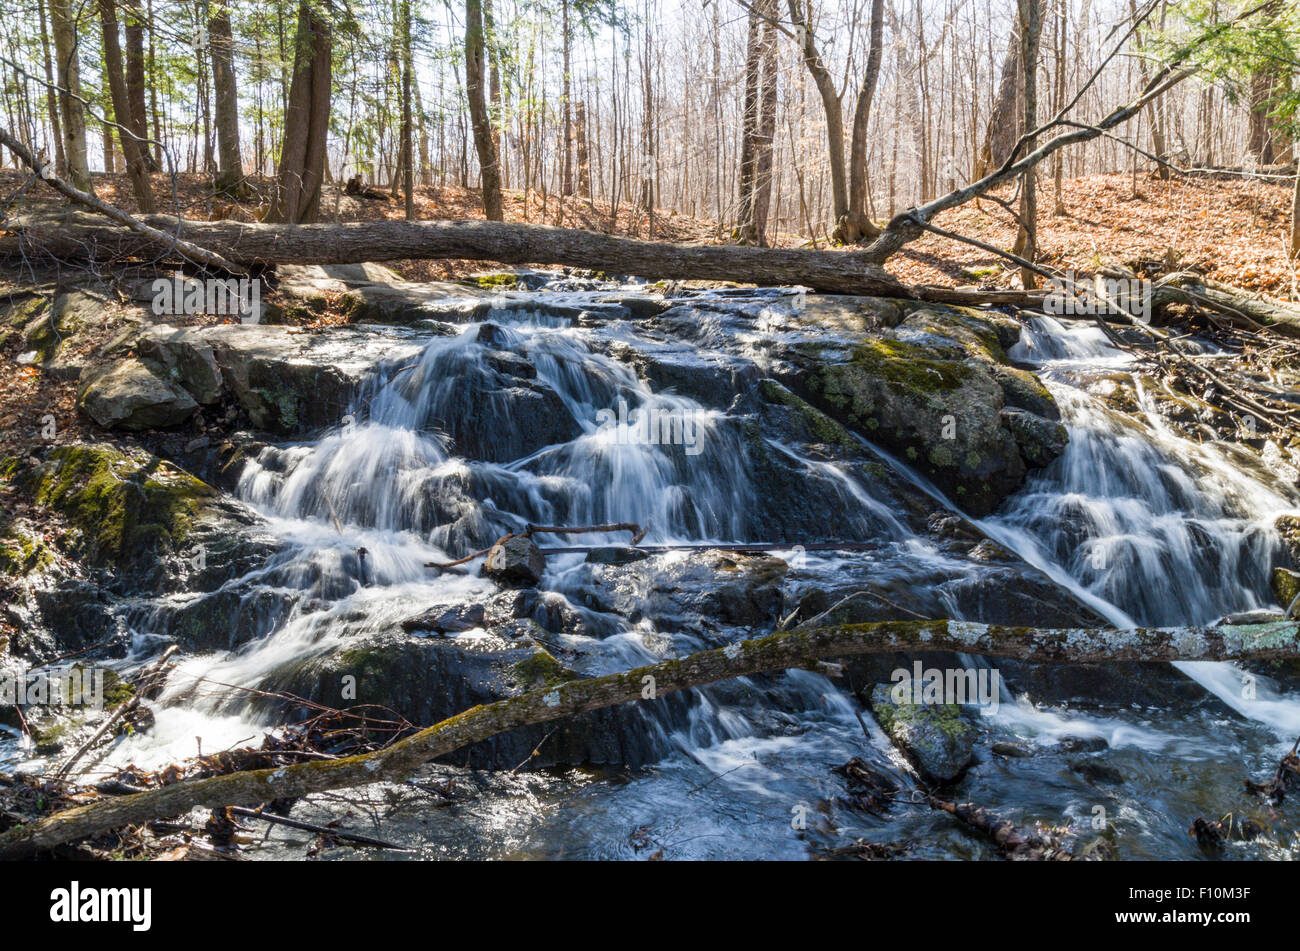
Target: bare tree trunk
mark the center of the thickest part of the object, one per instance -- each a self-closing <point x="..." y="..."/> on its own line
<point x="132" y="148"/>
<point x="766" y="141"/>
<point x="745" y="229"/>
<point x="408" y="131"/>
<point x="1026" y="246"/>
<point x="484" y="142"/>
<point x="68" y="72"/>
<point x="858" y="225"/>
<point x="51" y="98"/>
<point x="825" y="83"/>
<point x="135" y="83"/>
<point x="1004" y="121"/>
<point x="230" y="164"/>
<point x="1295" y="219"/>
<point x="566" y="178"/>
<point x="302" y="156"/>
<point x="580" y="143"/>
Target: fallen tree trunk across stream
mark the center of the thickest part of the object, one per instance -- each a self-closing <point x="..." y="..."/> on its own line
<point x="779" y="651"/>
<point x="87" y="237"/>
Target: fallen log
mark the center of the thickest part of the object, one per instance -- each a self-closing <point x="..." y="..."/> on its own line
<point x="86" y="237"/>
<point x="779" y="651"/>
<point x="1240" y="308"/>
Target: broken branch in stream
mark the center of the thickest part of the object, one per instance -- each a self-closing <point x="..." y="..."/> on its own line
<point x="149" y="681"/>
<point x="1042" y="845"/>
<point x="779" y="651"/>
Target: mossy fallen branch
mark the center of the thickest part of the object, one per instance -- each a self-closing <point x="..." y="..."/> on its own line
<point x="779" y="651"/>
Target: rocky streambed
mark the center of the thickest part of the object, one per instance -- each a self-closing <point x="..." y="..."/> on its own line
<point x="269" y="497"/>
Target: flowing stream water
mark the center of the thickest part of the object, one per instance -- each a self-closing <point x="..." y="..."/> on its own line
<point x="1140" y="524"/>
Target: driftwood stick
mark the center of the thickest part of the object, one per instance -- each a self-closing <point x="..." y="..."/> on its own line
<point x="779" y="651"/>
<point x="312" y="827"/>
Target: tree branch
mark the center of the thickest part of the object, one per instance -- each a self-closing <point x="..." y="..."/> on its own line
<point x="156" y="238"/>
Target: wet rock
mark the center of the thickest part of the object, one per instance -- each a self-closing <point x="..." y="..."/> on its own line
<point x="498" y="411"/>
<point x="1097" y="772"/>
<point x="1082" y="744"/>
<point x="1285" y="584"/>
<point x="427" y="680"/>
<point x="80" y="611"/>
<point x="222" y="620"/>
<point x="710" y="378"/>
<point x="937" y="738"/>
<point x="1040" y="440"/>
<point x="447" y="620"/>
<point x="1089" y="686"/>
<point x="133" y="394"/>
<point x="1022" y="390"/>
<point x="639" y="306"/>
<point x="515" y="563"/>
<point x="929" y="391"/>
<point x="1011" y="750"/>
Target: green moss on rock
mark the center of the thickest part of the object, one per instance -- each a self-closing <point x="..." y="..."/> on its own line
<point x="119" y="504"/>
<point x="541" y="670"/>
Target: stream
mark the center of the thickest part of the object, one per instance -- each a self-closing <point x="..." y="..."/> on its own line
<point x="1133" y="521"/>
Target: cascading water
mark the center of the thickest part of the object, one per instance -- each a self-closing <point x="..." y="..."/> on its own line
<point x="435" y="462"/>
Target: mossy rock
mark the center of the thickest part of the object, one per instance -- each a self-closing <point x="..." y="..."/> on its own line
<point x="937" y="738"/>
<point x="121" y="505"/>
<point x="22" y="553"/>
<point x="497" y="281"/>
<point x="816" y="424"/>
<point x="1286" y="585"/>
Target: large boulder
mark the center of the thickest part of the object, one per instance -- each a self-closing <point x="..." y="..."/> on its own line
<point x="133" y="394"/>
<point x="141" y="517"/>
<point x="937" y="390"/>
<point x="184" y="357"/>
<point x="287" y="381"/>
<point x="426" y="680"/>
